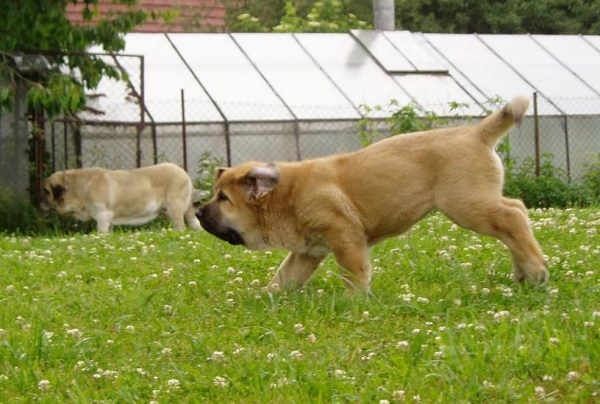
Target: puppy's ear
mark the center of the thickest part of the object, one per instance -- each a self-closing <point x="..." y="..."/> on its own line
<point x="261" y="180"/>
<point x="219" y="172"/>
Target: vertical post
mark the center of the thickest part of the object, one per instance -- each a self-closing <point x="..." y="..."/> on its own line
<point x="38" y="138"/>
<point x="66" y="143"/>
<point x="154" y="143"/>
<point x="228" y="143"/>
<point x="141" y="126"/>
<point x="297" y="139"/>
<point x="567" y="151"/>
<point x="53" y="145"/>
<point x="138" y="145"/>
<point x="536" y="135"/>
<point x="183" y="133"/>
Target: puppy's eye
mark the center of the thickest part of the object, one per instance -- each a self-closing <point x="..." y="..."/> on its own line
<point x="221" y="197"/>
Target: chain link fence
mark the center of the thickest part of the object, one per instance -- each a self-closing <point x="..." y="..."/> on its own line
<point x="123" y="128"/>
<point x="570" y="142"/>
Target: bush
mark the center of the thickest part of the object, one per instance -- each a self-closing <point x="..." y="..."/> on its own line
<point x="205" y="181"/>
<point x="550" y="189"/>
<point x="20" y="216"/>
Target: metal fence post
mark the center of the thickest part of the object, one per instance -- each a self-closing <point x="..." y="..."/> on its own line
<point x="536" y="135"/>
<point x="567" y="152"/>
<point x="183" y="131"/>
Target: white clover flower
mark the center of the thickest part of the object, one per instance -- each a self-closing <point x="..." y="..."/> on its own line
<point x="220" y="382"/>
<point x="488" y="384"/>
<point x="44" y="385"/>
<point x="553" y="340"/>
<point x="402" y="344"/>
<point x="298" y="328"/>
<point x="399" y="395"/>
<point x="572" y="376"/>
<point x="271" y="356"/>
<point x="75" y="333"/>
<point x="173" y="384"/>
<point x="312" y="338"/>
<point x="166" y="351"/>
<point x="540" y="392"/>
<point x="130" y="329"/>
<point x="217" y="356"/>
<point x="297" y="355"/>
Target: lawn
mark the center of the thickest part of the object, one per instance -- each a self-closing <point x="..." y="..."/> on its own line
<point x="159" y="316"/>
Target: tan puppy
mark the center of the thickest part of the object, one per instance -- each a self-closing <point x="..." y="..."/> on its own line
<point x="131" y="197"/>
<point x="346" y="203"/>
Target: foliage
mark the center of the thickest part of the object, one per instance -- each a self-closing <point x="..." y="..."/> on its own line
<point x="181" y="317"/>
<point x="21" y="216"/>
<point x="499" y="17"/>
<point x="591" y="178"/>
<point x="550" y="188"/>
<point x="40" y="46"/>
<point x="205" y="176"/>
<point x="324" y="16"/>
<point x="449" y="16"/>
<point x="406" y="118"/>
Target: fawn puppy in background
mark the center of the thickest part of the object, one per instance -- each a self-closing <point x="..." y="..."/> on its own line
<point x="130" y="197"/>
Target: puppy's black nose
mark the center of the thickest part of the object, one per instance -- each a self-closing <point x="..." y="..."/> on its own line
<point x="201" y="210"/>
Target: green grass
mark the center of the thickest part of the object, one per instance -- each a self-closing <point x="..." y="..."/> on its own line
<point x="143" y="316"/>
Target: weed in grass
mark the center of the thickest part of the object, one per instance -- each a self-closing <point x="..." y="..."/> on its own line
<point x="160" y="316"/>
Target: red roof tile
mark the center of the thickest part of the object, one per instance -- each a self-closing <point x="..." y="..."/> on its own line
<point x="191" y="15"/>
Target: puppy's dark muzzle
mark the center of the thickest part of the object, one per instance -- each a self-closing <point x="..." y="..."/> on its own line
<point x="210" y="221"/>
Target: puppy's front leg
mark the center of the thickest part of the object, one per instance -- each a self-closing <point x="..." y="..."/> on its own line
<point x="294" y="271"/>
<point x="354" y="257"/>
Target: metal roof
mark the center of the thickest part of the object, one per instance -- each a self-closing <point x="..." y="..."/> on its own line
<point x="284" y="77"/>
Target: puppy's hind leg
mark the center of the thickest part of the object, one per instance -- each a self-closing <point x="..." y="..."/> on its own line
<point x="294" y="271"/>
<point x="507" y="221"/>
<point x="175" y="212"/>
<point x="191" y="219"/>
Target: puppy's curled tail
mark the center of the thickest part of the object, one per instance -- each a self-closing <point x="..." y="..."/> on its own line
<point x="497" y="124"/>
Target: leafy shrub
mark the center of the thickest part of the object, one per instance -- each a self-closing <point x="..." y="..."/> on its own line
<point x="550" y="189"/>
<point x="591" y="178"/>
<point x="205" y="180"/>
<point x="20" y="215"/>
